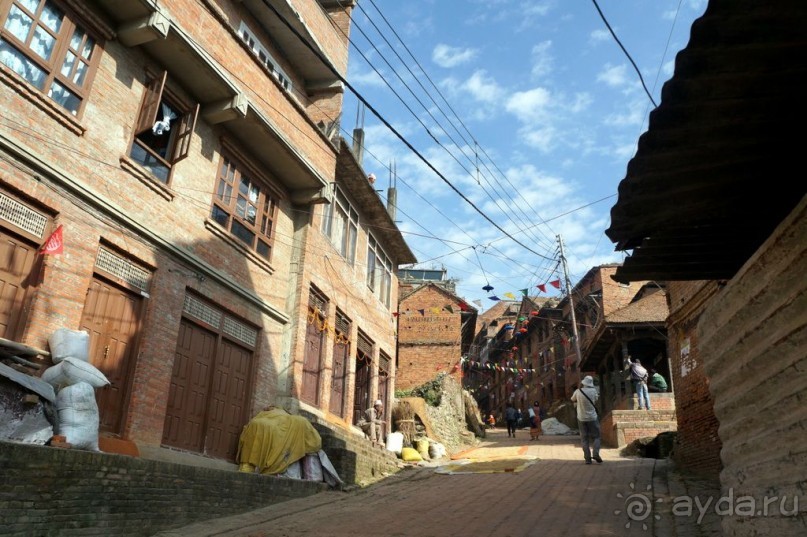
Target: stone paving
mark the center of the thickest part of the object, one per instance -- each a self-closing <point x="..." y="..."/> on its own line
<point x="557" y="495"/>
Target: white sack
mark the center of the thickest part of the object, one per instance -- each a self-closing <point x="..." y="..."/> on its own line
<point x="395" y="442"/>
<point x="78" y="415"/>
<point x="71" y="371"/>
<point x="64" y="342"/>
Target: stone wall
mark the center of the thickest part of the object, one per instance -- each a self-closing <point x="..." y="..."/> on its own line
<point x="51" y="492"/>
<point x="753" y="338"/>
<point x="448" y="419"/>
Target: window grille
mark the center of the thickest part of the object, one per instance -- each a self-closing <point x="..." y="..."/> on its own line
<point x="364" y="345"/>
<point x="342" y="323"/>
<point x="317" y="300"/>
<point x="123" y="269"/>
<point x="23" y="217"/>
<point x="240" y="331"/>
<point x="198" y="309"/>
<point x="383" y="363"/>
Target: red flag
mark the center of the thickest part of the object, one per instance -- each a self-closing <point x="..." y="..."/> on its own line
<point x="54" y="245"/>
<point x="394" y="313"/>
<point x="463" y="306"/>
<point x="542" y="287"/>
<point x="555" y="284"/>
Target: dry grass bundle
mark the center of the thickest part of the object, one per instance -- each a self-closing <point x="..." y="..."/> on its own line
<point x="403" y="416"/>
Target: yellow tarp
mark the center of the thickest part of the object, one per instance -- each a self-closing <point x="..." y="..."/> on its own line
<point x="274" y="439"/>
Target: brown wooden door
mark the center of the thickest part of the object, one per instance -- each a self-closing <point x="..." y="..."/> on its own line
<point x="17" y="259"/>
<point x="112" y="317"/>
<point x="311" y="363"/>
<point x="190" y="382"/>
<point x="340" y="356"/>
<point x="228" y="399"/>
<point x="361" y="393"/>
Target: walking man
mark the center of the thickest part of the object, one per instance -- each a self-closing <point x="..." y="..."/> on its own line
<point x="587" y="418"/>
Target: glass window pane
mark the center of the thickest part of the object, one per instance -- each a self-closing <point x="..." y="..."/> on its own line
<point x="263" y="249"/>
<point x="150" y="162"/>
<point x="69" y="61"/>
<point x="18" y="23"/>
<point x="30" y="5"/>
<point x="241" y="232"/>
<point x="86" y="52"/>
<point x="81" y="72"/>
<point x="42" y="43"/>
<point x="219" y="215"/>
<point x="241" y="207"/>
<point x="254" y="193"/>
<point x="51" y="17"/>
<point x="64" y="97"/>
<point x="75" y="39"/>
<point x="21" y="65"/>
<point x="243" y="188"/>
<point x="264" y="220"/>
<point x="220" y="189"/>
<point x="252" y="213"/>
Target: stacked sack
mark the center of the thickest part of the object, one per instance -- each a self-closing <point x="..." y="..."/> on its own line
<point x="75" y="380"/>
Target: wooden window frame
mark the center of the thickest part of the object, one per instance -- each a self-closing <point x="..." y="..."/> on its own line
<point x="340" y="207"/>
<point x="267" y="205"/>
<point x="180" y="132"/>
<point x="379" y="271"/>
<point x="71" y="22"/>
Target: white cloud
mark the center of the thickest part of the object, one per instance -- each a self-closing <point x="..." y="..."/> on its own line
<point x="529" y="105"/>
<point x="668" y="68"/>
<point x="633" y="115"/>
<point x="448" y="56"/>
<point x="581" y="102"/>
<point x="614" y="75"/>
<point x="598" y="36"/>
<point x="483" y="87"/>
<point x="541" y="59"/>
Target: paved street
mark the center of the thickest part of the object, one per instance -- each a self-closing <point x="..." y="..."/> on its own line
<point x="555" y="495"/>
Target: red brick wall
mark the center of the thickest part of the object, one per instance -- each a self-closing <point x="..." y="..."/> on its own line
<point x="698" y="445"/>
<point x="428" y="343"/>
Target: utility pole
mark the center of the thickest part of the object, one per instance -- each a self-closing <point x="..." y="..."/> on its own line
<point x="571" y="303"/>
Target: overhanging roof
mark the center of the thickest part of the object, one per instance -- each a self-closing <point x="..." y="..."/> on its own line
<point x="306" y="63"/>
<point x="717" y="169"/>
<point x="352" y="177"/>
<point x="141" y="23"/>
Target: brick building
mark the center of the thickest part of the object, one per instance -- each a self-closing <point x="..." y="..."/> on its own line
<point x="435" y="330"/>
<point x="217" y="234"/>
<point x="729" y="222"/>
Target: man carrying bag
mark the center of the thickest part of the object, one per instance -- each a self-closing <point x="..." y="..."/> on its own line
<point x="587" y="418"/>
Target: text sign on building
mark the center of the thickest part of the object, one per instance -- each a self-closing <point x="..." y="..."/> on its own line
<point x="429" y="329"/>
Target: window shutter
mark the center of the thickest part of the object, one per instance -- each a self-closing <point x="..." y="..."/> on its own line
<point x="151" y="104"/>
<point x="185" y="133"/>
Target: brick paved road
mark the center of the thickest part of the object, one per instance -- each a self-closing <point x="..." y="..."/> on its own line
<point x="558" y="495"/>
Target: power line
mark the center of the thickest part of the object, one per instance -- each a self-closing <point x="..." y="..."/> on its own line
<point x="395" y="131"/>
<point x="627" y="54"/>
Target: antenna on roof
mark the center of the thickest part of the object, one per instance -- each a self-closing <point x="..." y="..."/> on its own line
<point x="358" y="133"/>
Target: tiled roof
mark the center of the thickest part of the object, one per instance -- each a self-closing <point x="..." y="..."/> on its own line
<point x="651" y="308"/>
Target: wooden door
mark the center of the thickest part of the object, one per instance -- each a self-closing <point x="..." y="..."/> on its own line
<point x="112" y="316"/>
<point x="17" y="260"/>
<point x="312" y="361"/>
<point x="190" y="383"/>
<point x="228" y="398"/>
<point x="361" y="399"/>
<point x="341" y="352"/>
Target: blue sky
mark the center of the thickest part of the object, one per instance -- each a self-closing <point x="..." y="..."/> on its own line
<point x="528" y="108"/>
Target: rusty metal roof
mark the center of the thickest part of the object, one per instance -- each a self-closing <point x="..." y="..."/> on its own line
<point x="720" y="164"/>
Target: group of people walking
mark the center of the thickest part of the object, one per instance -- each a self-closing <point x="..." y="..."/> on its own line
<point x="513" y="417"/>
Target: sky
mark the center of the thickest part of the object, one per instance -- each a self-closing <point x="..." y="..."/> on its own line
<point x="508" y="124"/>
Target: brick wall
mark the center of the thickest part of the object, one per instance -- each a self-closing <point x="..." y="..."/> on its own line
<point x="428" y="343"/>
<point x="621" y="427"/>
<point x="753" y="337"/>
<point x="53" y="492"/>
<point x="697" y="448"/>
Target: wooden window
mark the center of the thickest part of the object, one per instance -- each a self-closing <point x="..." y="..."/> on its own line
<point x="163" y="129"/>
<point x="245" y="207"/>
<point x="42" y="43"/>
<point x="379" y="271"/>
<point x="340" y="223"/>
